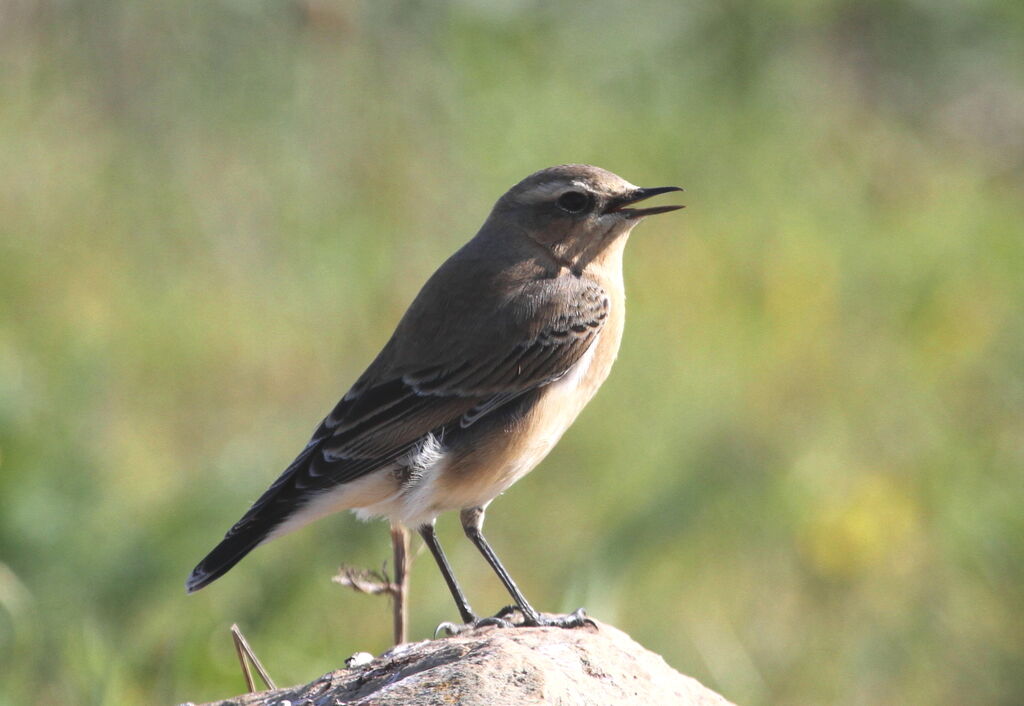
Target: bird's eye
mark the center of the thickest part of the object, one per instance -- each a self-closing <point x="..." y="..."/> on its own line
<point x="573" y="201"/>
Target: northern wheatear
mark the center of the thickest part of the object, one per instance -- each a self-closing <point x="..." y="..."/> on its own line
<point x="497" y="355"/>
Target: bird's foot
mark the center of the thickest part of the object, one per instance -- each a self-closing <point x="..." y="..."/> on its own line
<point x="577" y="619"/>
<point x="453" y="629"/>
<point x="508" y="611"/>
<point x="504" y="619"/>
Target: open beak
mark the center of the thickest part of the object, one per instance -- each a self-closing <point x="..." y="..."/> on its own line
<point x="618" y="205"/>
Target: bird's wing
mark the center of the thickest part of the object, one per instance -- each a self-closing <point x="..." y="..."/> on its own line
<point x="532" y="339"/>
<point x="381" y="419"/>
<point x="527" y="344"/>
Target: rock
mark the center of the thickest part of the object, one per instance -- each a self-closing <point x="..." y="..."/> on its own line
<point x="499" y="667"/>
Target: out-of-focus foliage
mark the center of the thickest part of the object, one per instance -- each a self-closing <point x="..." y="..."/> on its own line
<point x="803" y="481"/>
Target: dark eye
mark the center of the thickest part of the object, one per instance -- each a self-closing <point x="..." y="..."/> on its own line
<point x="573" y="201"/>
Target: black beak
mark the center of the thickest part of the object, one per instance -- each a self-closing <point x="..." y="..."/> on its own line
<point x="618" y="205"/>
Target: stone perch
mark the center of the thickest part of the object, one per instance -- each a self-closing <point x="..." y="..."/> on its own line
<point x="502" y="667"/>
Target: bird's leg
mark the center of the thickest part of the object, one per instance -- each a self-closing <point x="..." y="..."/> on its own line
<point x="430" y="537"/>
<point x="468" y="618"/>
<point x="472" y="524"/>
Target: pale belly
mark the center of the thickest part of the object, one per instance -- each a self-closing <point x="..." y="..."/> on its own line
<point x="475" y="472"/>
<point x="464" y="477"/>
<point x="475" y="476"/>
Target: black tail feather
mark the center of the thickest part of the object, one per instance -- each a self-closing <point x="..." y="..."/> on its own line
<point x="218" y="562"/>
<point x="266" y="514"/>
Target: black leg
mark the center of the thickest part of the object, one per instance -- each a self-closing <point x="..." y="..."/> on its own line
<point x="465" y="612"/>
<point x="472" y="523"/>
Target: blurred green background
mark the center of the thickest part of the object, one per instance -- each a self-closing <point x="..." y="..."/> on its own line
<point x="803" y="481"/>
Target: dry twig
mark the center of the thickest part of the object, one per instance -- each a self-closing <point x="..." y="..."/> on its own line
<point x="375" y="583"/>
<point x="246" y="657"/>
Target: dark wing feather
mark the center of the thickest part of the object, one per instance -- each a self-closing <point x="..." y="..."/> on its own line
<point x="381" y="418"/>
<point x="385" y="416"/>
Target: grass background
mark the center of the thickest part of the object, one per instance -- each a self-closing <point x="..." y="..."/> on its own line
<point x="803" y="481"/>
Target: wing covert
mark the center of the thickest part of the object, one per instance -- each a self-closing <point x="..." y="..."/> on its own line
<point x="392" y="407"/>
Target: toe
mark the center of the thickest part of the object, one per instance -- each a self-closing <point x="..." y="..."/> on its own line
<point x="449" y="629"/>
<point x="577" y="619"/>
<point x="495" y="621"/>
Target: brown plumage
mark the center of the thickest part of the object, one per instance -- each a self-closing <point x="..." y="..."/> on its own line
<point x="497" y="355"/>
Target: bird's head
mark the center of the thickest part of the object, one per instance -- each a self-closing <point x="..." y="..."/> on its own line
<point x="575" y="210"/>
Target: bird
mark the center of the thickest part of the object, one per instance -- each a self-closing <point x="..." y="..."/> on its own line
<point x="502" y="348"/>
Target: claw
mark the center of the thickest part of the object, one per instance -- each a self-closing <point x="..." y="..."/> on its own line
<point x="494" y="621"/>
<point x="576" y="619"/>
<point x="584" y="620"/>
<point x="451" y="628"/>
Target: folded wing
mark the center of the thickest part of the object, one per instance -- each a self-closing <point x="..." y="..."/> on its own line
<point x="395" y="404"/>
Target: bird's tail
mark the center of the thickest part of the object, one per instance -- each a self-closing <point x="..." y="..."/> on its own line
<point x="257" y="525"/>
<point x="225" y="555"/>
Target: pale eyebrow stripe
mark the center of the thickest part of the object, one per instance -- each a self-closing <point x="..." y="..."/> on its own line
<point x="545" y="190"/>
